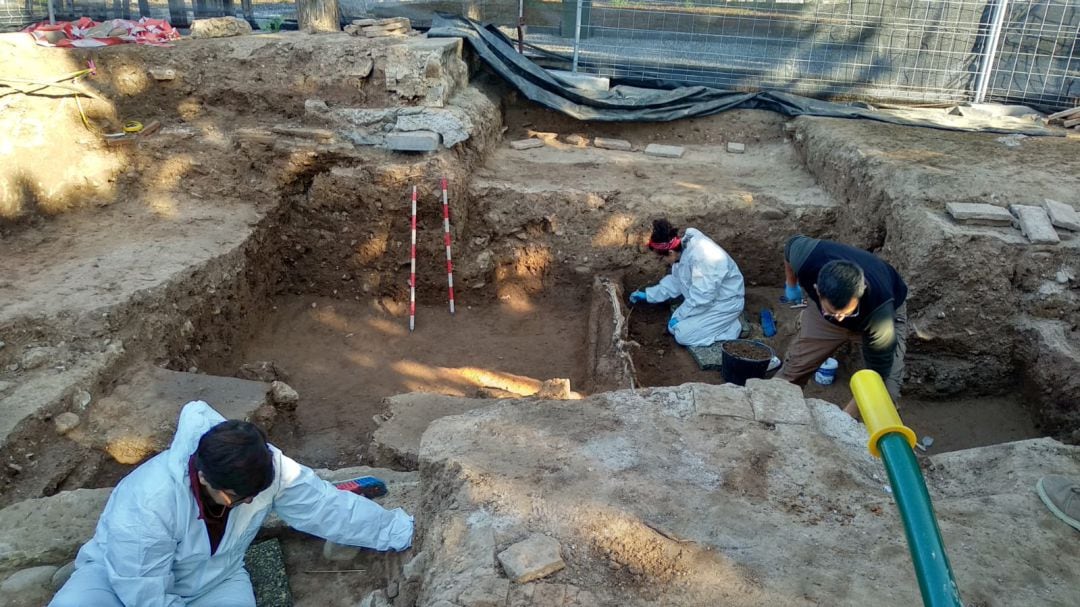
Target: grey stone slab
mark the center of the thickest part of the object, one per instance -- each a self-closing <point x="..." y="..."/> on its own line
<point x="736" y="148"/>
<point x="526" y="144"/>
<point x="664" y="151"/>
<point x="978" y="213"/>
<point x="1035" y="224"/>
<point x="265" y="563"/>
<point x="708" y="358"/>
<point x="138" y="419"/>
<point x="776" y="401"/>
<point x="728" y="400"/>
<point x="415" y="141"/>
<point x="1062" y="215"/>
<point x="620" y="145"/>
<point x="49" y="530"/>
<point x="531" y="559"/>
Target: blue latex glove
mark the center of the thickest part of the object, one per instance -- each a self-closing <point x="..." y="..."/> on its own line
<point x="792" y="293"/>
<point x="638" y="297"/>
<point x="671" y="324"/>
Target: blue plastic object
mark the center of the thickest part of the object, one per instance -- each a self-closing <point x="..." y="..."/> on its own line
<point x="768" y="325"/>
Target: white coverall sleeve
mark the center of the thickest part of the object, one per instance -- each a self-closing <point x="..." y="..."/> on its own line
<point x="312" y="505"/>
<point x="139" y="553"/>
<point x="667" y="288"/>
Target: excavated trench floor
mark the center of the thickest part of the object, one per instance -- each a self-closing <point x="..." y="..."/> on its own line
<point x="344" y="357"/>
<point x="950" y="422"/>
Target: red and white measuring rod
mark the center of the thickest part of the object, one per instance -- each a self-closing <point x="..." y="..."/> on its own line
<point x="446" y="239"/>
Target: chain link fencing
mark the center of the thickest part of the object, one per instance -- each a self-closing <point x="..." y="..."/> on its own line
<point x="909" y="51"/>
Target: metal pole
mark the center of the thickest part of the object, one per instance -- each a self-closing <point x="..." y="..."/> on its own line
<point x="521" y="26"/>
<point x="577" y="35"/>
<point x="52" y="13"/>
<point x="983" y="83"/>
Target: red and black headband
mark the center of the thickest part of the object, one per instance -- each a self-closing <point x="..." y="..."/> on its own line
<point x="664" y="247"/>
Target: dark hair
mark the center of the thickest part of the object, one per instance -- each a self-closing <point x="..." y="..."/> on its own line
<point x="233" y="456"/>
<point x="839" y="282"/>
<point x="663" y="231"/>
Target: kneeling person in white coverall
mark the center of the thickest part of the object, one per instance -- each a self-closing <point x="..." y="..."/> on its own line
<point x="175" y="530"/>
<point x="708" y="280"/>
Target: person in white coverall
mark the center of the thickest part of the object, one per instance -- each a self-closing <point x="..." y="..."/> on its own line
<point x="175" y="530"/>
<point x="708" y="280"/>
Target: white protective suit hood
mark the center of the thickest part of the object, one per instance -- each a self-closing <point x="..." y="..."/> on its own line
<point x="712" y="288"/>
<point x="156" y="550"/>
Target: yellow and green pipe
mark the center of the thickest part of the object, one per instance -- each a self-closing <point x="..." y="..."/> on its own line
<point x="892" y="441"/>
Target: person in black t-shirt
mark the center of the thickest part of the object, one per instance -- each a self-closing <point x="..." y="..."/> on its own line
<point x="856" y="297"/>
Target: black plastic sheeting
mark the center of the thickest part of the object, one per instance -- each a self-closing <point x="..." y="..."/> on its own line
<point x="633" y="104"/>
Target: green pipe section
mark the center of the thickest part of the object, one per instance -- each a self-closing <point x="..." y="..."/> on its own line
<point x="936" y="582"/>
<point x="892" y="441"/>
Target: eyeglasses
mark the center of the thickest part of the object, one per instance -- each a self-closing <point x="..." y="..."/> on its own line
<point x="840" y="316"/>
<point x="233" y="498"/>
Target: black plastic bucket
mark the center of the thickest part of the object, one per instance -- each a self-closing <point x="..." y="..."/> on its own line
<point x="737" y="369"/>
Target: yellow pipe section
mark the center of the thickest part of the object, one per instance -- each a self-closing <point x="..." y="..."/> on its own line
<point x="877" y="409"/>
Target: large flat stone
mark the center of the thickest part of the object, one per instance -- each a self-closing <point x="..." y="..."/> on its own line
<point x="416" y="141"/>
<point x="138" y="419"/>
<point x="620" y="145"/>
<point x="776" y="401"/>
<point x="428" y="69"/>
<point x="664" y="151"/>
<point x="49" y="530"/>
<point x="1062" y="215"/>
<point x="396" y="441"/>
<point x="536" y="557"/>
<point x="978" y="213"/>
<point x="1035" y="224"/>
<point x="725" y="400"/>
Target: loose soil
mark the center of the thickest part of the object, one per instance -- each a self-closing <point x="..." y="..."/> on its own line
<point x="345" y="357"/>
<point x="747" y="351"/>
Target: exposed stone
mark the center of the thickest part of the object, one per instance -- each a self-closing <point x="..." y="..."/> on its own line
<point x="726" y="400"/>
<point x="264" y="370"/>
<point x="219" y="27"/>
<point x="978" y="213"/>
<point x="5" y="386"/>
<point x="613" y="144"/>
<point x="416" y="141"/>
<point x="80" y="400"/>
<point x="49" y="529"/>
<point x="531" y="559"/>
<point x="27" y="581"/>
<point x="577" y="140"/>
<point x="736" y="148"/>
<point x="66" y="422"/>
<point x="413" y="571"/>
<point x="33" y="358"/>
<point x="776" y="401"/>
<point x="451" y="124"/>
<point x="664" y="151"/>
<point x="1035" y="224"/>
<point x="554" y="389"/>
<point x="771" y="213"/>
<point x="257" y="136"/>
<point x="376" y="598"/>
<point x="487" y="591"/>
<point x="162" y="74"/>
<point x="1062" y="215"/>
<point x="396" y="442"/>
<point x="317" y="107"/>
<point x="429" y="69"/>
<point x="61" y="576"/>
<point x="283" y="396"/>
<point x="526" y="144"/>
<point x="138" y="419"/>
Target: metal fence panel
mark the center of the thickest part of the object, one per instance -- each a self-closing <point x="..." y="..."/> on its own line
<point x="887" y="50"/>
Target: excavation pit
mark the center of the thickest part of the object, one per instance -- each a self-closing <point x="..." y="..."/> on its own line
<point x="246" y="234"/>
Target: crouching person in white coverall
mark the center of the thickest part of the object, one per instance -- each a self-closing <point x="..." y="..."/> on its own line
<point x="708" y="280"/>
<point x="175" y="530"/>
